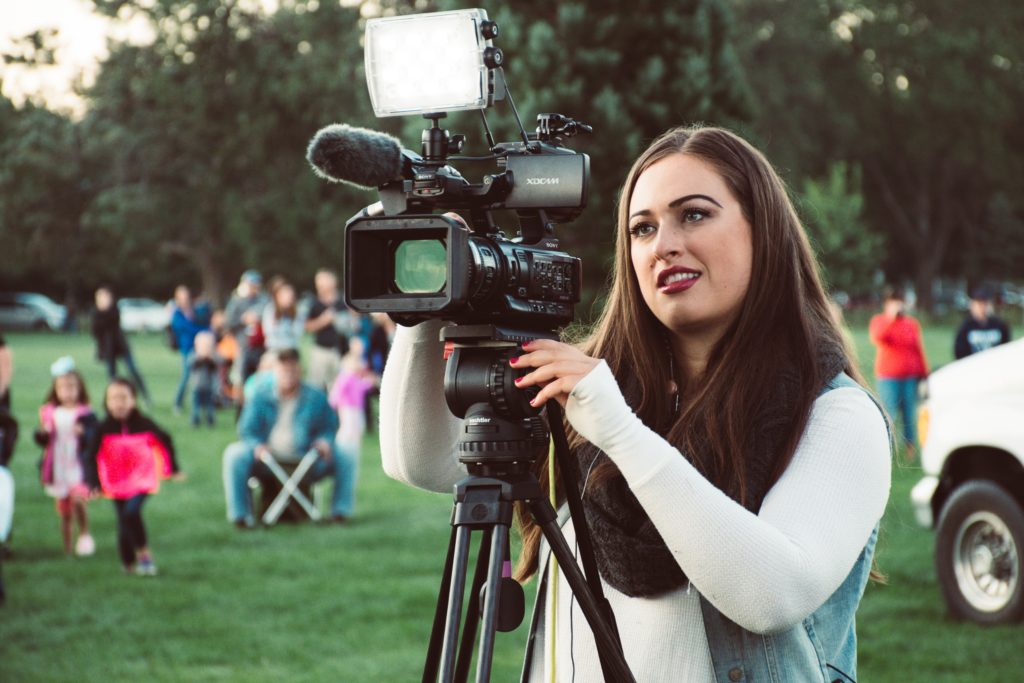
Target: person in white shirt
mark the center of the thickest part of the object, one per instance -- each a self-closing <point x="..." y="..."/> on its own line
<point x="734" y="469"/>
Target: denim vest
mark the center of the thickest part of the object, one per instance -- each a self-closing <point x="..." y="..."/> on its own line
<point x="821" y="648"/>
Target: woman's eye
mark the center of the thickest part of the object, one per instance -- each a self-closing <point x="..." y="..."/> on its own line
<point x="694" y="215"/>
<point x="641" y="229"/>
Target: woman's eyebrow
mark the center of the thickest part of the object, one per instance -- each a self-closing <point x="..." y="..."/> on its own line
<point x="676" y="202"/>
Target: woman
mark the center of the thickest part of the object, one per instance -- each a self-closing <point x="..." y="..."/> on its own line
<point x="282" y="325"/>
<point x="111" y="342"/>
<point x="734" y="476"/>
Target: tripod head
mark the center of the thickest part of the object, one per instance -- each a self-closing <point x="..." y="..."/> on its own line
<point x="501" y="432"/>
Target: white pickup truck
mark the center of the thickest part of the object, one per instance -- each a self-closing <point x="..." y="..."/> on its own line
<point x="972" y="492"/>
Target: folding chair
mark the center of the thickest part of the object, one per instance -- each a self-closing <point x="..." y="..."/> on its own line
<point x="290" y="487"/>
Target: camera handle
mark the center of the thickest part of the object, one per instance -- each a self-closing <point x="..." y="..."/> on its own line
<point x="484" y="502"/>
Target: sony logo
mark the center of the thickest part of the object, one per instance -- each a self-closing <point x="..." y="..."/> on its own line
<point x="542" y="181"/>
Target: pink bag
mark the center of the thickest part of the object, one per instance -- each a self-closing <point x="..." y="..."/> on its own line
<point x="130" y="464"/>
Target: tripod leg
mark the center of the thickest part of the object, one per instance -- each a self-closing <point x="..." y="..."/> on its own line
<point x="458" y="585"/>
<point x="492" y="597"/>
<point x="613" y="663"/>
<point x="437" y="630"/>
<point x="473" y="609"/>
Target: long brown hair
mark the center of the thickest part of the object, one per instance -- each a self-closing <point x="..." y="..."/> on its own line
<point x="784" y="319"/>
<point x="289" y="311"/>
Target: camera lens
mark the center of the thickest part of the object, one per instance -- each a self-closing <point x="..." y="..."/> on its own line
<point x="420" y="266"/>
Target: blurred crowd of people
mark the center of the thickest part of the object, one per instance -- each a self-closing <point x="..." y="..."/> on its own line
<point x="245" y="359"/>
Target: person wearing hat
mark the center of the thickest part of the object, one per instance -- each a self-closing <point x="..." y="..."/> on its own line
<point x="981" y="329"/>
<point x="244" y="315"/>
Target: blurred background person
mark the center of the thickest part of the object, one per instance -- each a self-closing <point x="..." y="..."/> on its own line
<point x="244" y="315"/>
<point x="324" y="319"/>
<point x="981" y="329"/>
<point x="111" y="342"/>
<point x="282" y="324"/>
<point x="8" y="423"/>
<point x="66" y="421"/>
<point x="227" y="351"/>
<point x="187" y="320"/>
<point x="348" y="397"/>
<point x="284" y="418"/>
<point x="900" y="363"/>
<point x="8" y="439"/>
<point x="204" y="368"/>
<point x="119" y="462"/>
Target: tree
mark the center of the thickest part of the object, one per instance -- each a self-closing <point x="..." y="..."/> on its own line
<point x="833" y="209"/>
<point x="45" y="186"/>
<point x="208" y="128"/>
<point x="923" y="96"/>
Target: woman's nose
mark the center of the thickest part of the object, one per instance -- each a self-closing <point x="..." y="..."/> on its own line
<point x="667" y="243"/>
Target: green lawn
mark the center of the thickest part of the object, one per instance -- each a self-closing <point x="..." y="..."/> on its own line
<point x="352" y="603"/>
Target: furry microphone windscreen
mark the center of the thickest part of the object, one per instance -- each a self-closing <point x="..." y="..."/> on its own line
<point x="357" y="156"/>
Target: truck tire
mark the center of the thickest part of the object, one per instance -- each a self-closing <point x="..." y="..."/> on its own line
<point x="979" y="554"/>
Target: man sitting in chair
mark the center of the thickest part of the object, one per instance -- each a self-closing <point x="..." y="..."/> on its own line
<point x="284" y="418"/>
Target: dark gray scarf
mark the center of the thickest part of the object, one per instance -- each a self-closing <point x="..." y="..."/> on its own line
<point x="630" y="553"/>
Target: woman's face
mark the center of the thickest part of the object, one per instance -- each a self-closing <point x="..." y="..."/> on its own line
<point x="120" y="401"/>
<point x="690" y="246"/>
<point x="66" y="388"/>
<point x="285" y="296"/>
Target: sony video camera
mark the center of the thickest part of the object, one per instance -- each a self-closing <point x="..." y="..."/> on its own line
<point x="410" y="255"/>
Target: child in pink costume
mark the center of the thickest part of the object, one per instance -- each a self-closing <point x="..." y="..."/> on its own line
<point x="348" y="397"/>
<point x="65" y="418"/>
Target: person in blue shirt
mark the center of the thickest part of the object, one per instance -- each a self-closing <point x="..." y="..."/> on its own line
<point x="285" y="418"/>
<point x="187" y="320"/>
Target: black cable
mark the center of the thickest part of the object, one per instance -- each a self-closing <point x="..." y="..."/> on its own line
<point x="841" y="673"/>
<point x="515" y="112"/>
<point x="487" y="130"/>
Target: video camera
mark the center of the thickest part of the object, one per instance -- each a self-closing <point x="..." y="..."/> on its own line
<point x="402" y="256"/>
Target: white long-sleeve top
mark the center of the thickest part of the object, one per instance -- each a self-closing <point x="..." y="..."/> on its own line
<point x="766" y="571"/>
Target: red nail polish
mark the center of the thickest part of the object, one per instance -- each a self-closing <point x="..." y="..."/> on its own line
<point x="518" y="380"/>
<point x="513" y="361"/>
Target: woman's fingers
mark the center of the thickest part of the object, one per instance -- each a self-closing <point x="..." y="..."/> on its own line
<point x="558" y="389"/>
<point x="550" y="371"/>
<point x="554" y="367"/>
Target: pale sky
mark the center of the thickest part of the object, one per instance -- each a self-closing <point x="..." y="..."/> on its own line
<point x="81" y="41"/>
<point x="82" y="45"/>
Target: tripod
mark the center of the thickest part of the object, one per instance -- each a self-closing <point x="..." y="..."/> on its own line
<point x="498" y="452"/>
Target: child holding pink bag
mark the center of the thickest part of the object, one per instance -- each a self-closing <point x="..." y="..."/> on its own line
<point x="128" y="458"/>
<point x="65" y="420"/>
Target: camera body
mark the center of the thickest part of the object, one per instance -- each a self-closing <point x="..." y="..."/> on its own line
<point x="403" y="259"/>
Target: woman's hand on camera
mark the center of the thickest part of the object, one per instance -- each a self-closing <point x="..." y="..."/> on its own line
<point x="557" y="368"/>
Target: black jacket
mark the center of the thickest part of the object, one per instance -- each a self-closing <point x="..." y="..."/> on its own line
<point x="106" y="328"/>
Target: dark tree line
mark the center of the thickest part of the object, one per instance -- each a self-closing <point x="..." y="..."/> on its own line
<point x="892" y="122"/>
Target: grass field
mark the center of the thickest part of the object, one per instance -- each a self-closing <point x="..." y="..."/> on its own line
<point x="328" y="603"/>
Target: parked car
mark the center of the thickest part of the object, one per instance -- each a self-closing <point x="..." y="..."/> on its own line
<point x="972" y="491"/>
<point x="30" y="311"/>
<point x="143" y="315"/>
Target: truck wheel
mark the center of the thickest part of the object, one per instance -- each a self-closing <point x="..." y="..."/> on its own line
<point x="979" y="554"/>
